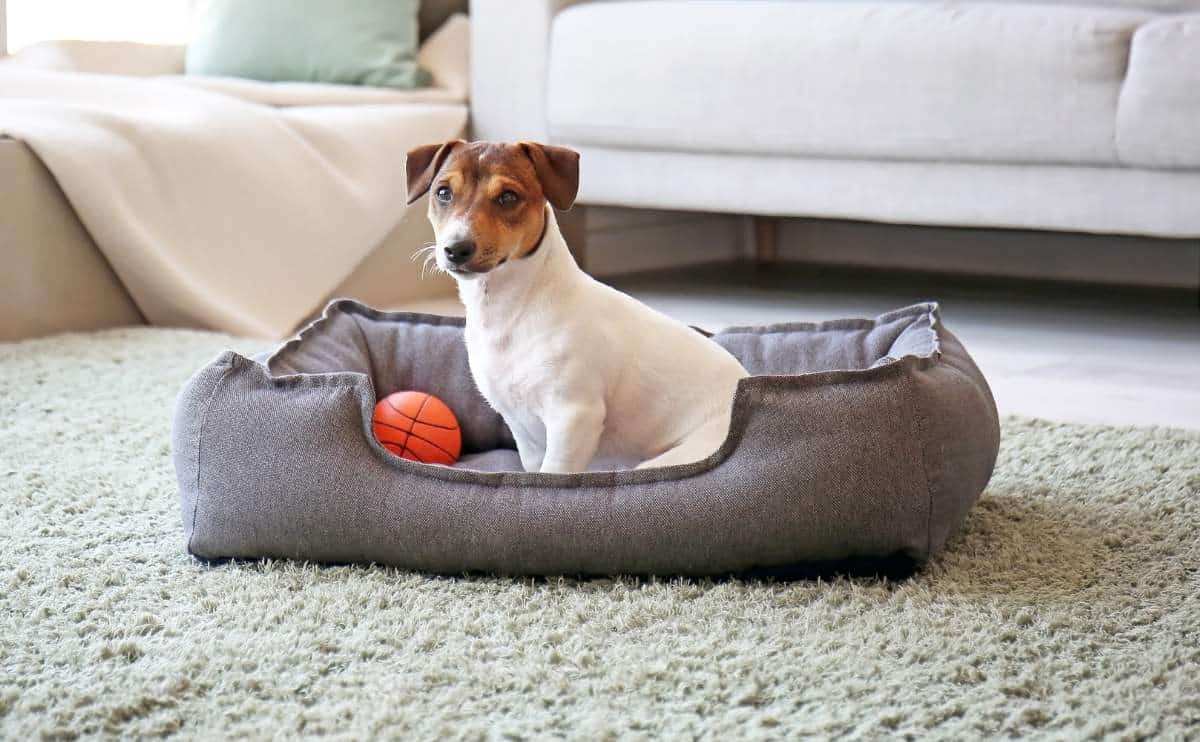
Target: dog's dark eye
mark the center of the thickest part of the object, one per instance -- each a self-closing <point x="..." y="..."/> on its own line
<point x="443" y="194"/>
<point x="508" y="198"/>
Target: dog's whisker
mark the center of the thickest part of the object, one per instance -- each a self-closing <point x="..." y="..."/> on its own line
<point x="429" y="260"/>
<point x="424" y="249"/>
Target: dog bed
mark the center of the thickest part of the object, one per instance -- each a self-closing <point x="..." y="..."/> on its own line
<point x="852" y="439"/>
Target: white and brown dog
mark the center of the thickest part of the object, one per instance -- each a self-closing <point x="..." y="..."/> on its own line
<point x="581" y="373"/>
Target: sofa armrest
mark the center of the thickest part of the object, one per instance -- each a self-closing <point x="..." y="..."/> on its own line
<point x="510" y="49"/>
<point x="54" y="278"/>
<point x="101" y="57"/>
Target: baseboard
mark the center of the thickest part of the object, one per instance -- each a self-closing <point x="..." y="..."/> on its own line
<point x="621" y="241"/>
<point x="634" y="240"/>
<point x="1057" y="256"/>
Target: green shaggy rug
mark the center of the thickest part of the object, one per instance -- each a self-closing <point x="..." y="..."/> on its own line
<point x="1068" y="607"/>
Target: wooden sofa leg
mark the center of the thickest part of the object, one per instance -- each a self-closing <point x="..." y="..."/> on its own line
<point x="573" y="225"/>
<point x="766" y="240"/>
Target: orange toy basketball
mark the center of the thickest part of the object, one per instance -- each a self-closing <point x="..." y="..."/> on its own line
<point x="418" y="427"/>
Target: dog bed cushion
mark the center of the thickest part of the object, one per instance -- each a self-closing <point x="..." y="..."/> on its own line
<point x="851" y="439"/>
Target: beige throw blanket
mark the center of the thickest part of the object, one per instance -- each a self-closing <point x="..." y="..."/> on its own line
<point x="214" y="211"/>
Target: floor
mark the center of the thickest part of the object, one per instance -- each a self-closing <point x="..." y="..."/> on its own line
<point x="1064" y="608"/>
<point x="1066" y="352"/>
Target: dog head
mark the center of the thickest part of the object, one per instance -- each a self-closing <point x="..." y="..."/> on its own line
<point x="488" y="200"/>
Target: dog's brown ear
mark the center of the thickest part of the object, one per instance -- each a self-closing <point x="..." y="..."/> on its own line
<point x="558" y="170"/>
<point x="423" y="164"/>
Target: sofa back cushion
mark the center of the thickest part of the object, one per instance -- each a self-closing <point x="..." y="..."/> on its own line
<point x="974" y="82"/>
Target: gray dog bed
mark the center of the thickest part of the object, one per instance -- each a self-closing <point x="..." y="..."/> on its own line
<point x="853" y="439"/>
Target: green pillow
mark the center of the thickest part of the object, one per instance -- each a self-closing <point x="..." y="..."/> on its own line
<point x="351" y="42"/>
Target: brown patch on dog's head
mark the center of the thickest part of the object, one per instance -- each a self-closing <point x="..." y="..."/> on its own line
<point x="488" y="199"/>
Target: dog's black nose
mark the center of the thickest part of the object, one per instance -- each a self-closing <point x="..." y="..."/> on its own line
<point x="460" y="252"/>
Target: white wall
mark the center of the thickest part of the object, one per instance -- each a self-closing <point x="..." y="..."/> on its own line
<point x="146" y="21"/>
<point x="3" y="30"/>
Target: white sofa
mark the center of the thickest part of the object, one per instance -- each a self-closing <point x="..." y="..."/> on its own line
<point x="1050" y="116"/>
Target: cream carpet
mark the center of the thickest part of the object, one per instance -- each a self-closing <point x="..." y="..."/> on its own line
<point x="1069" y="607"/>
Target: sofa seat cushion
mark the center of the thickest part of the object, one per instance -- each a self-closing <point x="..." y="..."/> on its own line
<point x="1158" y="123"/>
<point x="964" y="82"/>
<point x="1156" y="6"/>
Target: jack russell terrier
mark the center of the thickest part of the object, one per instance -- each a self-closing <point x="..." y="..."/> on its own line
<point x="581" y="373"/>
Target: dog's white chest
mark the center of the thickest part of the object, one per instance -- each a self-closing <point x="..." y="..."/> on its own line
<point x="508" y="381"/>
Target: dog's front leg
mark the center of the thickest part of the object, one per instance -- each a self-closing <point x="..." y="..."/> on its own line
<point x="531" y="452"/>
<point x="572" y="437"/>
